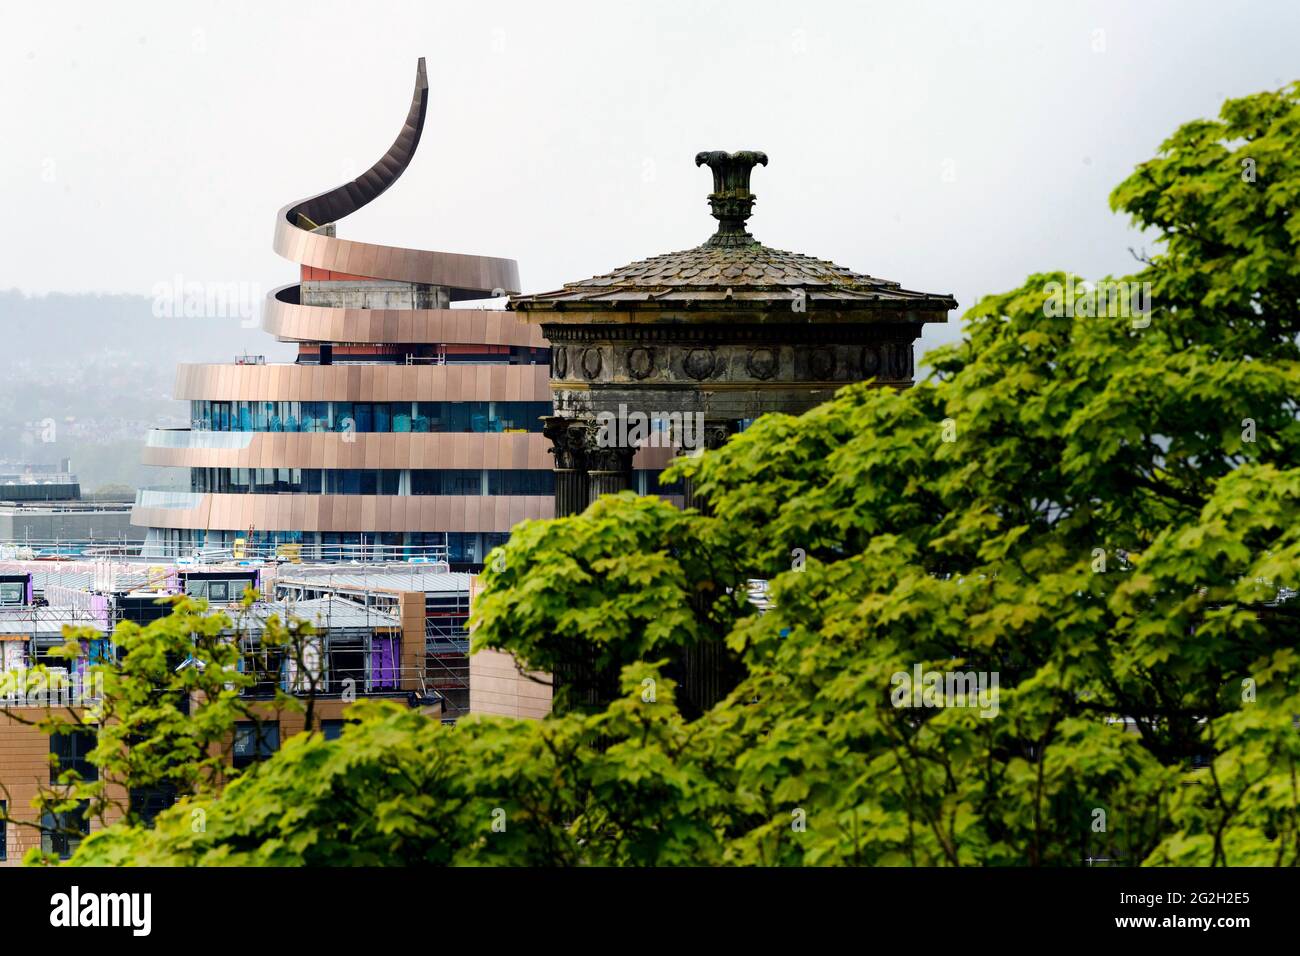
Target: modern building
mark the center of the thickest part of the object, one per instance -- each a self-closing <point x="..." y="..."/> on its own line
<point x="406" y="426"/>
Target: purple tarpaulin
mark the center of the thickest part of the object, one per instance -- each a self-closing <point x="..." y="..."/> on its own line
<point x="383" y="662"/>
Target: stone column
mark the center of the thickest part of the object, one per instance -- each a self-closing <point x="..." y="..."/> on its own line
<point x="568" y="445"/>
<point x="715" y="436"/>
<point x="609" y="471"/>
<point x="708" y="670"/>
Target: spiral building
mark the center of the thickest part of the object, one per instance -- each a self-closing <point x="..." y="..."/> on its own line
<point x="404" y="427"/>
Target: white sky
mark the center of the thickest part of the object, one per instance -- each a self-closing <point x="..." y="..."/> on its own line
<point x="147" y="140"/>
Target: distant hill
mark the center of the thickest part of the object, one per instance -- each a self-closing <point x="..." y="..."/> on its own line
<point x="86" y="375"/>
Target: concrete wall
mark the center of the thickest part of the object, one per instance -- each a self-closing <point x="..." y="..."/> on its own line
<point x="18" y="525"/>
<point x="496" y="686"/>
<point x="373" y="294"/>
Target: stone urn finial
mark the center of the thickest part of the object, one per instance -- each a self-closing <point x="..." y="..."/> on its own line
<point x="731" y="200"/>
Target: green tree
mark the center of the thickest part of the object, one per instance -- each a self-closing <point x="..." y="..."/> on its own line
<point x="1094" y="499"/>
<point x="163" y="715"/>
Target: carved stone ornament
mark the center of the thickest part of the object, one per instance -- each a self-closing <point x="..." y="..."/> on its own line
<point x="610" y="459"/>
<point x="591" y="362"/>
<point x="640" y="362"/>
<point x="715" y="436"/>
<point x="571" y="441"/>
<point x="731" y="200"/>
<point x="762" y="363"/>
<point x="822" y="364"/>
<point x="560" y="362"/>
<point x="699" y="363"/>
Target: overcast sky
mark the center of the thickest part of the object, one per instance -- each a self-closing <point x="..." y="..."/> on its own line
<point x="952" y="147"/>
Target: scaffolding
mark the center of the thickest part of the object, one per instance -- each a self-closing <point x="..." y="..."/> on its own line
<point x="296" y="552"/>
<point x="444" y="667"/>
<point x="367" y="551"/>
<point x="357" y="612"/>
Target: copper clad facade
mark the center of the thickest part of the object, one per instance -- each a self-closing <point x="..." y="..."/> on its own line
<point x="362" y="383"/>
<point x="404" y="450"/>
<point x="291" y="322"/>
<point x="372" y="324"/>
<point x="376" y="513"/>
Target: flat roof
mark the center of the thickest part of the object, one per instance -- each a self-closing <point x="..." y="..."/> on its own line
<point x="380" y="578"/>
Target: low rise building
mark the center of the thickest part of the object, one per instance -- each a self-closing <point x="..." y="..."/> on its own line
<point x="379" y="631"/>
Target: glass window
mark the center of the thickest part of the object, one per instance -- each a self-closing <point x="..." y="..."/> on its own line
<point x="370" y="416"/>
<point x="536" y="482"/>
<point x="426" y="482"/>
<point x="71" y="749"/>
<point x="344" y="417"/>
<point x="365" y="416"/>
<point x="461" y="546"/>
<point x="315" y="416"/>
<point x="148" y="802"/>
<point x="457" y="416"/>
<point x="61" y="832"/>
<point x="460" y="482"/>
<point x="254" y="741"/>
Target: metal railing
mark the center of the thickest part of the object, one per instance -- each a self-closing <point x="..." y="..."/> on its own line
<point x="364" y="552"/>
<point x="37" y="549"/>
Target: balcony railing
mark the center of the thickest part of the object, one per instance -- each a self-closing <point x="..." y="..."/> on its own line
<point x="448" y="680"/>
<point x="197" y="438"/>
<point x="57" y="687"/>
<point x="167" y="498"/>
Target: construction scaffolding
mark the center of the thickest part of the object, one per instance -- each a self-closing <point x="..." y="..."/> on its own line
<point x="380" y="630"/>
<point x="443" y="603"/>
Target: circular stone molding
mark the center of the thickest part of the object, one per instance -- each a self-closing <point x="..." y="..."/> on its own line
<point x="822" y="364"/>
<point x="640" y="362"/>
<point x="870" y="361"/>
<point x="560" y="362"/>
<point x="591" y="362"/>
<point x="699" y="363"/>
<point x="762" y="363"/>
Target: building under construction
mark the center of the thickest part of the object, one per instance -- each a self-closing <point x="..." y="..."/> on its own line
<point x="390" y="631"/>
